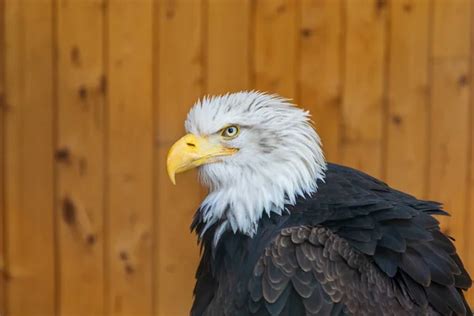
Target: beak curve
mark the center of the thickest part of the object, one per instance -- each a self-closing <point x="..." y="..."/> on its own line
<point x="192" y="151"/>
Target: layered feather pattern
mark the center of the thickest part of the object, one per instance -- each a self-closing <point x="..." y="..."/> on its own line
<point x="356" y="247"/>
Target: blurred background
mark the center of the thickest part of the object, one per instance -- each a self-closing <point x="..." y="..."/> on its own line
<point x="93" y="93"/>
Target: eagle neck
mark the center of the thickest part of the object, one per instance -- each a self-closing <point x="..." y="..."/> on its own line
<point x="238" y="206"/>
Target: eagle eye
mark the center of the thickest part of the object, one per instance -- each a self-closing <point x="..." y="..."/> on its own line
<point x="230" y="131"/>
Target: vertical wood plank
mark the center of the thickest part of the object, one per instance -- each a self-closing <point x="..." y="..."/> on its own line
<point x="80" y="155"/>
<point x="29" y="183"/>
<point x="2" y="225"/>
<point x="2" y="159"/>
<point x="130" y="158"/>
<point x="364" y="80"/>
<point x="451" y="17"/>
<point x="320" y="35"/>
<point x="275" y="47"/>
<point x="449" y="135"/>
<point x="179" y="71"/>
<point x="468" y="231"/>
<point x="228" y="46"/>
<point x="408" y="108"/>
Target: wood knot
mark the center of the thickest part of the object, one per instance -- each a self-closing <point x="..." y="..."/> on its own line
<point x="63" y="154"/>
<point x="69" y="211"/>
<point x="82" y="92"/>
<point x="306" y="32"/>
<point x="407" y="7"/>
<point x="397" y="119"/>
<point x="129" y="269"/>
<point x="463" y="80"/>
<point x="91" y="239"/>
<point x="123" y="255"/>
<point x="380" y="5"/>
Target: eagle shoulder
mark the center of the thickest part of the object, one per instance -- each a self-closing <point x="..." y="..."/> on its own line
<point x="374" y="241"/>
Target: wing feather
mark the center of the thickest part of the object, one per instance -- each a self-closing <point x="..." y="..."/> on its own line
<point x="329" y="276"/>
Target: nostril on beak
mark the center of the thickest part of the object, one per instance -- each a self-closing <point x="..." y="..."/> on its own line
<point x="191" y="144"/>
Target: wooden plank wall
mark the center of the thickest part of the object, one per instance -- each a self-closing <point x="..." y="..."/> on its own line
<point x="93" y="93"/>
<point x="129" y="206"/>
<point x="80" y="161"/>
<point x="31" y="268"/>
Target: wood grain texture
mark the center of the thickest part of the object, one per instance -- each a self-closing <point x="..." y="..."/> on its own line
<point x="408" y="107"/>
<point x="29" y="176"/>
<point x="80" y="156"/>
<point x="130" y="159"/>
<point x="449" y="136"/>
<point x="364" y="81"/>
<point x="228" y="57"/>
<point x="275" y="47"/>
<point x="468" y="231"/>
<point x="2" y="160"/>
<point x="469" y="223"/>
<point x="451" y="18"/>
<point x="320" y="60"/>
<point x="180" y="73"/>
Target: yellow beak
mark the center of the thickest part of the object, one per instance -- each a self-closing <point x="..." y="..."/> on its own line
<point x="192" y="151"/>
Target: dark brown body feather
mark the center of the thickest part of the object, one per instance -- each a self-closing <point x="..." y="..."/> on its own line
<point x="356" y="247"/>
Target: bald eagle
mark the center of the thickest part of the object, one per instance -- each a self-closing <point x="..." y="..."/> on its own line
<point x="283" y="232"/>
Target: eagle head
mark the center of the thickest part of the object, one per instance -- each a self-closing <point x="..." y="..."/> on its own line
<point x="255" y="152"/>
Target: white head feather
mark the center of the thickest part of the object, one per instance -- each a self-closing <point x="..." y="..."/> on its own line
<point x="279" y="158"/>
